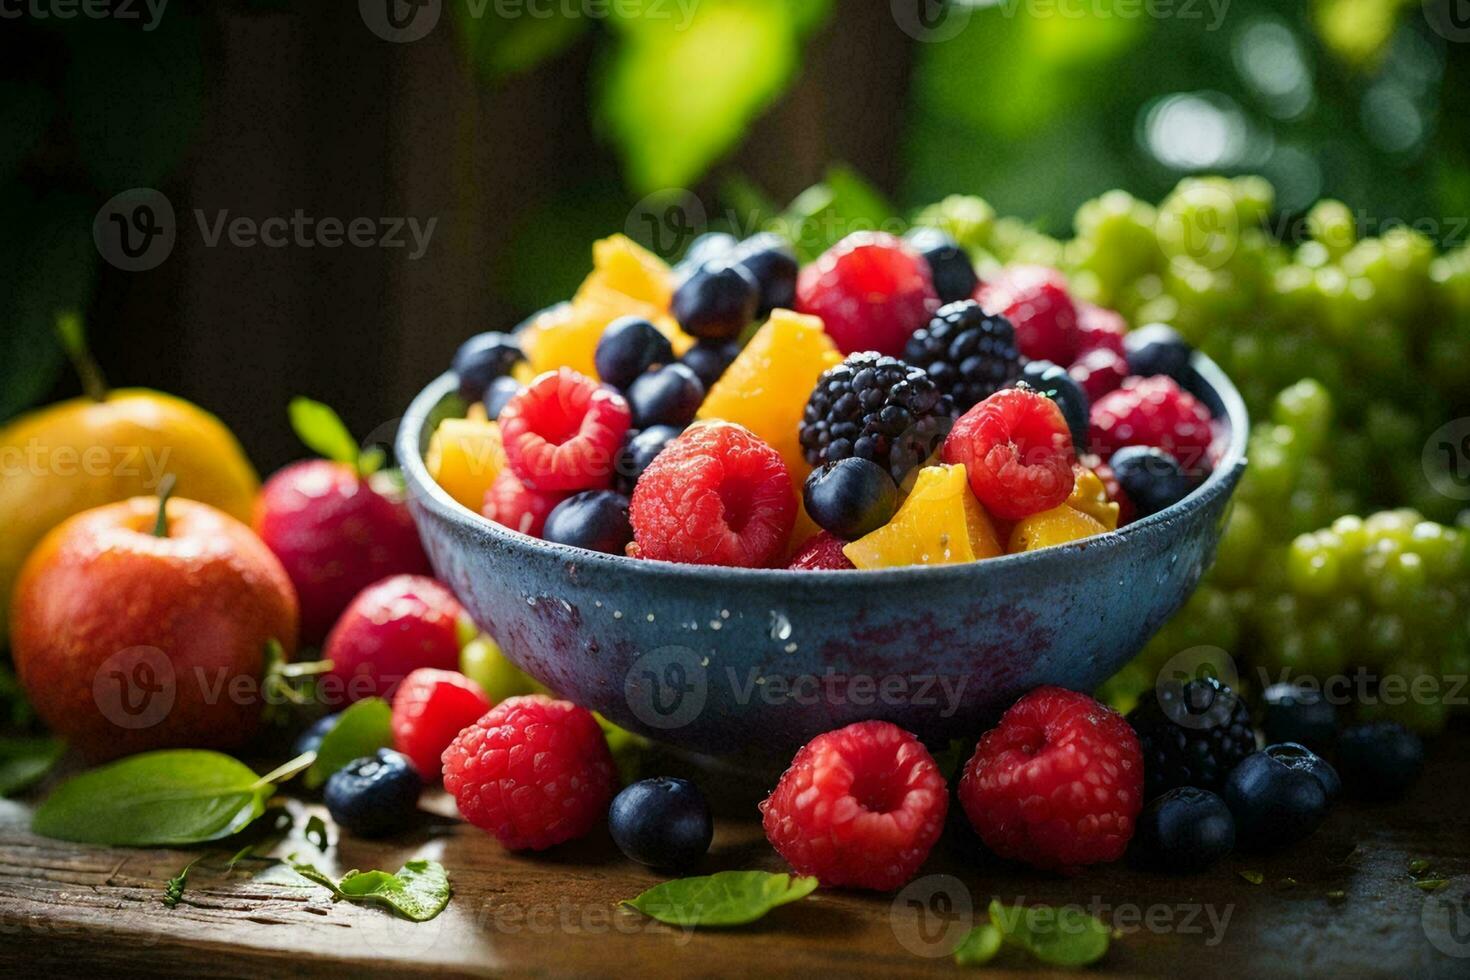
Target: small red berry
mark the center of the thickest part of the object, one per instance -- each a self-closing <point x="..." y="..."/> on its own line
<point x="1035" y="299"/>
<point x="562" y="431"/>
<point x="1099" y="371"/>
<point x="392" y="628"/>
<point x="860" y="807"/>
<point x="872" y="291"/>
<point x="1156" y="412"/>
<point x="1017" y="453"/>
<point x="716" y="495"/>
<point x="821" y="551"/>
<point x="1057" y="784"/>
<point x="431" y="707"/>
<point x="517" y="506"/>
<point x="533" y="772"/>
<point x="1099" y="327"/>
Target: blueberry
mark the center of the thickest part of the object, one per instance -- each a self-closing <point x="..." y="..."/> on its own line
<point x="1276" y="799"/>
<point x="669" y="395"/>
<point x="1055" y="383"/>
<point x="717" y="300"/>
<point x="709" y="358"/>
<point x="637" y="452"/>
<point x="1157" y="349"/>
<point x="661" y="822"/>
<point x="629" y="346"/>
<point x="953" y="274"/>
<point x="1294" y="713"/>
<point x="375" y="795"/>
<point x="1150" y="477"/>
<point x="311" y="739"/>
<point x="482" y="359"/>
<point x="710" y="245"/>
<point x="850" y="497"/>
<point x="501" y="390"/>
<point x="1184" y="831"/>
<point x="596" y="520"/>
<point x="1299" y="756"/>
<point x="771" y="262"/>
<point x="1379" y="760"/>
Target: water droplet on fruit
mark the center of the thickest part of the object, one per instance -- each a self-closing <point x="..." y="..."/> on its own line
<point x="617" y="614"/>
<point x="530" y="600"/>
<point x="780" y="626"/>
<point x="724" y="614"/>
<point x="715" y="624"/>
<point x="597" y="603"/>
<point x="650" y="617"/>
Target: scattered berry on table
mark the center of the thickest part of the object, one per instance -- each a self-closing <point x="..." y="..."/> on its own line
<point x="850" y="497"/>
<point x="821" y="552"/>
<point x="1298" y="713"/>
<point x="1157" y="349"/>
<point x="871" y="290"/>
<point x="1183" y="831"/>
<point x="482" y="359"/>
<point x="374" y="796"/>
<point x="391" y="629"/>
<point x="1380" y="759"/>
<point x="499" y="394"/>
<point x="1276" y="800"/>
<point x="949" y="267"/>
<point x="1057" y="784"/>
<point x="561" y="432"/>
<point x="429" y="709"/>
<point x="859" y="807"/>
<point x="717" y="300"/>
<point x="878" y="408"/>
<point x="662" y="822"/>
<point x="1055" y="383"/>
<point x="669" y="395"/>
<point x="533" y="772"/>
<point x="716" y="495"/>
<point x="593" y="519"/>
<point x="1152" y="412"/>
<point x="968" y="353"/>
<point x="1150" y="477"/>
<point x="311" y="739"/>
<point x="1191" y="734"/>
<point x="1035" y="299"/>
<point x="1099" y="372"/>
<point x="1099" y="328"/>
<point x="637" y="452"/>
<point x="709" y="358"/>
<point x="628" y="347"/>
<point x="1017" y="450"/>
<point x="513" y="504"/>
<point x="771" y="262"/>
<point x="1299" y="756"/>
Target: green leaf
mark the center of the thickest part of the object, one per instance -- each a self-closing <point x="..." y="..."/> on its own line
<point x="728" y="898"/>
<point x="23" y="761"/>
<point x="979" y="945"/>
<point x="316" y="832"/>
<point x="361" y="730"/>
<point x="419" y="891"/>
<point x="181" y="796"/>
<point x="499" y="47"/>
<point x="1060" y="936"/>
<point x="825" y="213"/>
<point x="174" y="890"/>
<point x="321" y="429"/>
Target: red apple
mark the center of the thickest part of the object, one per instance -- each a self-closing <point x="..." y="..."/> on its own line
<point x="391" y="629"/>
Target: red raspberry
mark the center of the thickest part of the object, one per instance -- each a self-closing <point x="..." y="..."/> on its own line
<point x="1057" y="784"/>
<point x="1099" y="371"/>
<point x="821" y="551"/>
<point x="871" y="290"/>
<point x="1154" y="412"/>
<point x="562" y="430"/>
<point x="1017" y="453"/>
<point x="716" y="495"/>
<point x="532" y="773"/>
<point x="517" y="506"/>
<point x="429" y="710"/>
<point x="1035" y="299"/>
<point x="1099" y="327"/>
<point x="392" y="628"/>
<point x="860" y="807"/>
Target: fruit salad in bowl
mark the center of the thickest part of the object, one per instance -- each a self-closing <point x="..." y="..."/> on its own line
<point x="738" y="501"/>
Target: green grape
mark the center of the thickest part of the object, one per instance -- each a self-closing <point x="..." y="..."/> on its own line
<point x="1332" y="226"/>
<point x="1398" y="265"/>
<point x="1240" y="545"/>
<point x="1384" y="636"/>
<point x="1122" y="691"/>
<point x="1450" y="274"/>
<point x="1442" y="548"/>
<point x="1255" y="199"/>
<point x="1396" y="581"/>
<point x="1199" y="221"/>
<point x="967" y="219"/>
<point x="1312" y="255"/>
<point x="1392" y="525"/>
<point x="1306" y="407"/>
<point x="1293" y="291"/>
<point x="1313" y="567"/>
<point x="1116" y="231"/>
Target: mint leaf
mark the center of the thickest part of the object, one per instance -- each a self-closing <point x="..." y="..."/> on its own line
<point x="181" y="796"/>
<point x="729" y="898"/>
<point x="979" y="945"/>
<point x="23" y="761"/>
<point x="174" y="890"/>
<point x="1061" y="936"/>
<point x="361" y="730"/>
<point x="316" y="832"/>
<point x="419" y="891"/>
<point x="322" y="431"/>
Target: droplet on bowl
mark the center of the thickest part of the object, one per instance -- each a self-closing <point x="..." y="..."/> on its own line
<point x="780" y="626"/>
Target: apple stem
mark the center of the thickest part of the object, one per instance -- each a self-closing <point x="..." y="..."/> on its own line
<point x="73" y="339"/>
<point x="165" y="491"/>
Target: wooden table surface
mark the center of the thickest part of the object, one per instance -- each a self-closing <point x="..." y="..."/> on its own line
<point x="67" y="909"/>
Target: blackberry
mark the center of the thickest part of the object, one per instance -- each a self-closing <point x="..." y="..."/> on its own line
<point x="875" y="407"/>
<point x="968" y="353"/>
<point x="1192" y="734"/>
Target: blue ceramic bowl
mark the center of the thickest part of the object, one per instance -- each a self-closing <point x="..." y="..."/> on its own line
<point x="753" y="663"/>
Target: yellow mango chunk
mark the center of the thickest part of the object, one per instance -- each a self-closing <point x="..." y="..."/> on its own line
<point x="1052" y="527"/>
<point x="465" y="456"/>
<point x="622" y="265"/>
<point x="1091" y="498"/>
<point x="941" y="523"/>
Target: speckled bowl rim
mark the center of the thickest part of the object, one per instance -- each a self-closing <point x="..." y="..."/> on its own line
<point x="411" y="441"/>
